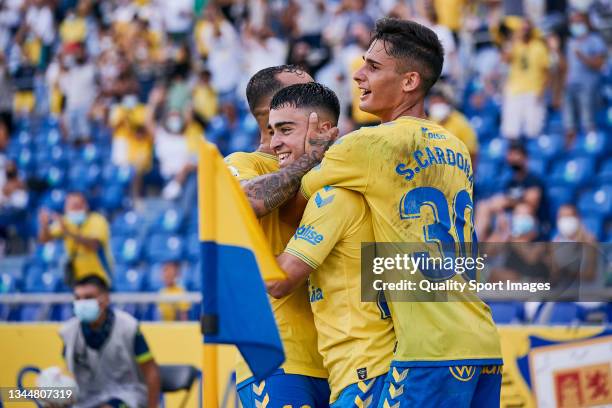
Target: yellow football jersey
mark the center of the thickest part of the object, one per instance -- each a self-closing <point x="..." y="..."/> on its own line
<point x="87" y="261"/>
<point x="416" y="178"/>
<point x="293" y="315"/>
<point x="356" y="339"/>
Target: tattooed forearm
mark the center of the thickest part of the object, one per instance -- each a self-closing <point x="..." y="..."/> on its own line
<point x="270" y="191"/>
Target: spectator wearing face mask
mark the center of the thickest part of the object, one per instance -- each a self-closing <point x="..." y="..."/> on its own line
<point x="575" y="249"/>
<point x="585" y="57"/>
<point x="524" y="258"/>
<point x="521" y="186"/>
<point x="106" y="353"/>
<point x="86" y="238"/>
<point x="442" y="111"/>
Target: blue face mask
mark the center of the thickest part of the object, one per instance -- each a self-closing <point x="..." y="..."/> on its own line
<point x="578" y="29"/>
<point x="522" y="224"/>
<point x="76" y="217"/>
<point x="86" y="310"/>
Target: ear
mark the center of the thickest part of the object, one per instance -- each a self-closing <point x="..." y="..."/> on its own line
<point x="411" y="81"/>
<point x="325" y="125"/>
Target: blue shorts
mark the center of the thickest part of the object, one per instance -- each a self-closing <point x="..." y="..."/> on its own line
<point x="280" y="390"/>
<point x="466" y="386"/>
<point x="362" y="394"/>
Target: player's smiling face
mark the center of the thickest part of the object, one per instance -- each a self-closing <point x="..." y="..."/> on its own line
<point x="382" y="83"/>
<point x="289" y="126"/>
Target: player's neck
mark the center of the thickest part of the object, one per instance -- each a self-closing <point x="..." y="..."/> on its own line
<point x="410" y="108"/>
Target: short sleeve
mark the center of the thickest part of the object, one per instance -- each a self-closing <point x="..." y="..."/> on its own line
<point x="141" y="348"/>
<point x="98" y="229"/>
<point x="328" y="217"/>
<point x="346" y="164"/>
<point x="241" y="166"/>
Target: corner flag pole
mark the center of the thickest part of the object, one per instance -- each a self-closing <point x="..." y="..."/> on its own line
<point x="208" y="322"/>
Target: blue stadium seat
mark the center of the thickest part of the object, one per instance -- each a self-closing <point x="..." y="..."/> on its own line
<point x="128" y="279"/>
<point x="537" y="165"/>
<point x="192" y="276"/>
<point x="50" y="137"/>
<point x="127" y="224"/>
<point x="24" y="139"/>
<point x="50" y="253"/>
<point x="54" y="175"/>
<point x="126" y="250"/>
<point x="548" y="146"/>
<point x="113" y="197"/>
<point x="193" y="247"/>
<point x="161" y="247"/>
<point x="565" y="313"/>
<point x="484" y="126"/>
<point x="597" y="201"/>
<point x="155" y="281"/>
<point x="506" y="312"/>
<point x="43" y="281"/>
<point x="33" y="313"/>
<point x="554" y="123"/>
<point x="495" y="150"/>
<point x="169" y="221"/>
<point x="122" y="175"/>
<point x="62" y="312"/>
<point x="557" y="196"/>
<point x="592" y="145"/>
<point x="594" y="224"/>
<point x="83" y="176"/>
<point x="54" y="200"/>
<point x="91" y="153"/>
<point x="58" y="155"/>
<point x="605" y="173"/>
<point x="25" y="160"/>
<point x="8" y="283"/>
<point x="485" y="182"/>
<point x="574" y="172"/>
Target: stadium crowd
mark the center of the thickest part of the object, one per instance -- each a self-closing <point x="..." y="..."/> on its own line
<point x="103" y="101"/>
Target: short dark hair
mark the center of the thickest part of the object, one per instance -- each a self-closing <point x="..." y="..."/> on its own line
<point x="518" y="145"/>
<point x="416" y="45"/>
<point x="265" y="83"/>
<point x="93" y="280"/>
<point x="309" y="95"/>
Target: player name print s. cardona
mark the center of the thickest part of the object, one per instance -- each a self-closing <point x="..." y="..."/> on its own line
<point x="308" y="234"/>
<point x="424" y="158"/>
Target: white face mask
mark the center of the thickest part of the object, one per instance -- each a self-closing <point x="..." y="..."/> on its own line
<point x="174" y="124"/>
<point x="578" y="29"/>
<point x="568" y="226"/>
<point x="439" y="111"/>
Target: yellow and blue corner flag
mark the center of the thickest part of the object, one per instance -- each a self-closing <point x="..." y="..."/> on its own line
<point x="236" y="259"/>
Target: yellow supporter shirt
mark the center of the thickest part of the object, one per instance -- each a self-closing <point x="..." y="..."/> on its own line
<point x="73" y="30"/>
<point x="86" y="261"/>
<point x="458" y="125"/>
<point x="528" y="67"/>
<point x="169" y="311"/>
<point x="416" y="178"/>
<point x="139" y="148"/>
<point x="356" y="339"/>
<point x="450" y="13"/>
<point x="293" y="315"/>
<point x="205" y="101"/>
